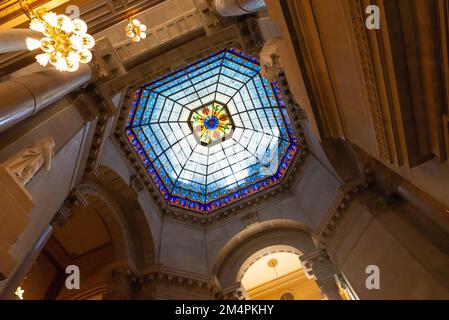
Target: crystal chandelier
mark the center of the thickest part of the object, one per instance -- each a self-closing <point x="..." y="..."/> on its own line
<point x="65" y="43"/>
<point x="135" y="30"/>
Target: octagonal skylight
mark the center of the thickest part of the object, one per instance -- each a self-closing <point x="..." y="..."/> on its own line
<point x="212" y="133"/>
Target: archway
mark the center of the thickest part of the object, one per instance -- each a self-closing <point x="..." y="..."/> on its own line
<point x="276" y="273"/>
<point x="267" y="237"/>
<point x="106" y="234"/>
<point x="243" y="249"/>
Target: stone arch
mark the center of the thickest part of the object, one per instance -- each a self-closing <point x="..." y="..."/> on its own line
<point x="242" y="249"/>
<point x="123" y="216"/>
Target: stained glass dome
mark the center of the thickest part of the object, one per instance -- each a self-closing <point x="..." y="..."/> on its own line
<point x="213" y="132"/>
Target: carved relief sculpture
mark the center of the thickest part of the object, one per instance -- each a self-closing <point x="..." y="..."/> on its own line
<point x="26" y="163"/>
<point x="270" y="61"/>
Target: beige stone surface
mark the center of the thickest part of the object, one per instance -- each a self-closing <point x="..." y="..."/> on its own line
<point x="16" y="203"/>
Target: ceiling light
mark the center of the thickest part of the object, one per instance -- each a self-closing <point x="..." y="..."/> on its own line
<point x="135" y="30"/>
<point x="65" y="43"/>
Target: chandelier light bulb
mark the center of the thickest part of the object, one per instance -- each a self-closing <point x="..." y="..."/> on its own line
<point x="76" y="42"/>
<point x="143" y="27"/>
<point x="73" y="57"/>
<point x="37" y="25"/>
<point x="72" y="66"/>
<point x="136" y="22"/>
<point x="61" y="65"/>
<point x="47" y="44"/>
<point x="65" y="23"/>
<point x="55" y="57"/>
<point x="79" y="27"/>
<point x="51" y="18"/>
<point x="85" y="56"/>
<point x="32" y="44"/>
<point x="43" y="59"/>
<point x="87" y="41"/>
<point x="143" y="35"/>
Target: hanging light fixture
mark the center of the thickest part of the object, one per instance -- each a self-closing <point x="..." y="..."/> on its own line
<point x="65" y="42"/>
<point x="135" y="30"/>
<point x="272" y="263"/>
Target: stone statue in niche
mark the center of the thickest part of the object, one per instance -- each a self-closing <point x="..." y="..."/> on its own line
<point x="26" y="163"/>
<point x="270" y="61"/>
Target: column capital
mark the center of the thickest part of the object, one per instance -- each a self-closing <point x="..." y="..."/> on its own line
<point x="318" y="266"/>
<point x="120" y="279"/>
<point x="236" y="292"/>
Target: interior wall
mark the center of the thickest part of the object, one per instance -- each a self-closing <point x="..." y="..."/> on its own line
<point x="372" y="233"/>
<point x="39" y="279"/>
<point x="295" y="283"/>
<point x="197" y="248"/>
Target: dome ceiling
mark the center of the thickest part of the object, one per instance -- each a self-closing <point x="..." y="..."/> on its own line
<point x="212" y="133"/>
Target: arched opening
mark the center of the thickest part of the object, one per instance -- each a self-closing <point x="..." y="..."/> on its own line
<point x="257" y="243"/>
<point x="83" y="241"/>
<point x="106" y="231"/>
<point x="276" y="273"/>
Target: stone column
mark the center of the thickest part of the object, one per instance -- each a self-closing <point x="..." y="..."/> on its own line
<point x="323" y="271"/>
<point x="15" y="39"/>
<point x="229" y="8"/>
<point x="24" y="96"/>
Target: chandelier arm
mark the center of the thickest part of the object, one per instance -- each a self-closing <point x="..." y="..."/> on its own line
<point x="26" y="8"/>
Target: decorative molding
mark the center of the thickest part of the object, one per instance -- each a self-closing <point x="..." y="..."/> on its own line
<point x="236" y="292"/>
<point x="100" y="69"/>
<point x="250" y="218"/>
<point x="137" y="183"/>
<point x="334" y="214"/>
<point x="106" y="115"/>
<point x="358" y="23"/>
<point x="75" y="199"/>
<point x="159" y="273"/>
<point x="84" y="105"/>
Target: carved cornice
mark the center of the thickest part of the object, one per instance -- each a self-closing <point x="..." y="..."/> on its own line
<point x="358" y="24"/>
<point x="335" y="213"/>
<point x="106" y="111"/>
<point x="158" y="273"/>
